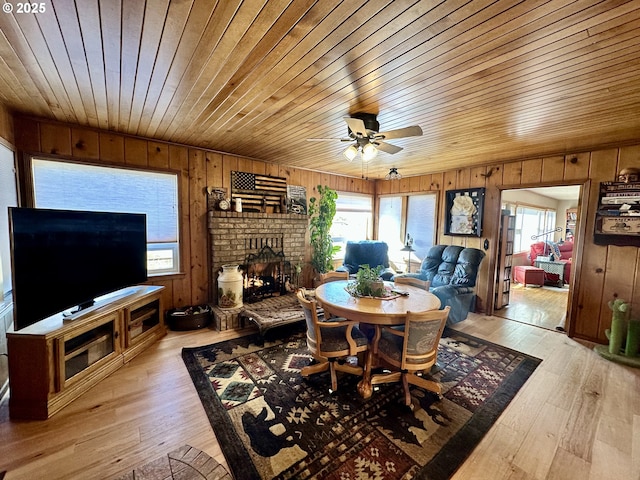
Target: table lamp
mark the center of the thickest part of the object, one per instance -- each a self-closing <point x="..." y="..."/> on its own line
<point x="408" y="248"/>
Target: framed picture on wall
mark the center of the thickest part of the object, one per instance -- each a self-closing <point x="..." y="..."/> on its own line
<point x="464" y="212"/>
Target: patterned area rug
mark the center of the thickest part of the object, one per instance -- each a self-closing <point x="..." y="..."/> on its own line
<point x="272" y="423"/>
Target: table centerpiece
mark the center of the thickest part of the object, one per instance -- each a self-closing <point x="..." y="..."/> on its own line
<point x="368" y="283"/>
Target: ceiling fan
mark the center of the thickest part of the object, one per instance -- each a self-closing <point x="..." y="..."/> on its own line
<point x="363" y="131"/>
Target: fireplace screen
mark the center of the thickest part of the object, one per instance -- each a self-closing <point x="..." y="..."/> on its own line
<point x="268" y="273"/>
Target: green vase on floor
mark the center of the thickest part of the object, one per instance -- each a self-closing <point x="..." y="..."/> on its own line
<point x="633" y="338"/>
<point x="619" y="321"/>
<point x="624" y="336"/>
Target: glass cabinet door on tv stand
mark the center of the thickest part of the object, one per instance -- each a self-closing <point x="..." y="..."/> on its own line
<point x="86" y="347"/>
<point x="141" y="319"/>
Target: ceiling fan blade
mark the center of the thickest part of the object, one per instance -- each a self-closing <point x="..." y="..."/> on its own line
<point x="386" y="147"/>
<point x="329" y="139"/>
<point x="356" y="126"/>
<point x="414" y="131"/>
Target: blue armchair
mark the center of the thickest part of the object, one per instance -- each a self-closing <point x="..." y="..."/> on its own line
<point x="366" y="252"/>
<point x="452" y="271"/>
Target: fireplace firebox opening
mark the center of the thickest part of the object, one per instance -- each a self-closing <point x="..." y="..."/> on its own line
<point x="266" y="273"/>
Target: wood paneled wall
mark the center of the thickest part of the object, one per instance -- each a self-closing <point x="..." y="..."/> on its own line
<point x="6" y="127"/>
<point x="198" y="169"/>
<point x="601" y="272"/>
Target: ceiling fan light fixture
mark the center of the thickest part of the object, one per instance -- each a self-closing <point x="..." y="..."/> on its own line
<point x="393" y="174"/>
<point x="350" y="153"/>
<point x="363" y="131"/>
<point x="369" y="152"/>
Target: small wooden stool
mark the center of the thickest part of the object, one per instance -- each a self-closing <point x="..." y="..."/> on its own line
<point x="527" y="275"/>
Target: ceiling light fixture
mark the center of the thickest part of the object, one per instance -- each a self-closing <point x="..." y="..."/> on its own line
<point x="367" y="151"/>
<point x="393" y="174"/>
<point x="350" y="153"/>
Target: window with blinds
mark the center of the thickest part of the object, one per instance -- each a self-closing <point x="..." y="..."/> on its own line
<point x="8" y="198"/>
<point x="402" y="215"/>
<point x="73" y="186"/>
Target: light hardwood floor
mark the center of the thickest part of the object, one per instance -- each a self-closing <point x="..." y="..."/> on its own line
<point x="578" y="416"/>
<point x="544" y="307"/>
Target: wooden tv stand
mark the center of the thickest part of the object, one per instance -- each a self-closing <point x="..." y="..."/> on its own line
<point x="54" y="361"/>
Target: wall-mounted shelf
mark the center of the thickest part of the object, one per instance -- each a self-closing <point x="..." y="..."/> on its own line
<point x="618" y="216"/>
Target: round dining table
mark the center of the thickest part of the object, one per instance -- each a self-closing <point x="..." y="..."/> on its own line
<point x="336" y="301"/>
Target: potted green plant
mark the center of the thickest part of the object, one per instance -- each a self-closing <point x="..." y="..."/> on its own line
<point x="368" y="282"/>
<point x="321" y="212"/>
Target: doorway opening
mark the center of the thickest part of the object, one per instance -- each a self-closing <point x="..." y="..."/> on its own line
<point x="543" y="221"/>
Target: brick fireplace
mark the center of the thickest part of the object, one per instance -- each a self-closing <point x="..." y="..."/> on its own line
<point x="236" y="236"/>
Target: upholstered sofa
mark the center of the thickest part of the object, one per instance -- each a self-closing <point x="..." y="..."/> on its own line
<point x="366" y="252"/>
<point x="562" y="252"/>
<point x="452" y="271"/>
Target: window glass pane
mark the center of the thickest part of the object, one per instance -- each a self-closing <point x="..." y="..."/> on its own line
<point x="421" y="221"/>
<point x="8" y="198"/>
<point x="162" y="257"/>
<point x="530" y="222"/>
<point x="353" y="220"/>
<point x="551" y="222"/>
<point x="517" y="233"/>
<point x="72" y="186"/>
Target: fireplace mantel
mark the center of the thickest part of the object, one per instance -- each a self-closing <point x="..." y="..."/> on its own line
<point x="233" y="214"/>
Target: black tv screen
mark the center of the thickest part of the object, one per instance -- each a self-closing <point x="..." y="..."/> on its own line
<point x="63" y="259"/>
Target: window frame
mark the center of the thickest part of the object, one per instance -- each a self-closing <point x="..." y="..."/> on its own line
<point x="29" y="198"/>
<point x="339" y="255"/>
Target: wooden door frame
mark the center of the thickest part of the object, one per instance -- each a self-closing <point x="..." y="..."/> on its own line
<point x="578" y="242"/>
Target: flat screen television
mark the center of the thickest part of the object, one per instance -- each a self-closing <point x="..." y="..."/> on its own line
<point x="63" y="259"/>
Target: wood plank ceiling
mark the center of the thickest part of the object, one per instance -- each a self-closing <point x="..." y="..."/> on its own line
<point x="486" y="80"/>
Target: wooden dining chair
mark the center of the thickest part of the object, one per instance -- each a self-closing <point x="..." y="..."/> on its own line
<point x="416" y="282"/>
<point x="331" y="342"/>
<point x="333" y="276"/>
<point x="411" y="351"/>
<point x="413" y="281"/>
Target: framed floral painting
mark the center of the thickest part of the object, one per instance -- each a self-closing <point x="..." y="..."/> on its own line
<point x="464" y="212"/>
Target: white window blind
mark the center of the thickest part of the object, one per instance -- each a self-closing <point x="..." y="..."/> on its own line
<point x="72" y="186"/>
<point x="421" y="222"/>
<point x="8" y="198"/>
<point x="390" y="223"/>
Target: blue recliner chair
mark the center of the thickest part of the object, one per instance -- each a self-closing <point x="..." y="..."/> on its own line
<point x="366" y="252"/>
<point x="452" y="271"/>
